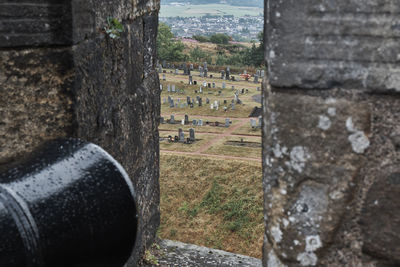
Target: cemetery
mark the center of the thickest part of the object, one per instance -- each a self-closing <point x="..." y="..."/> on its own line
<point x="216" y="106"/>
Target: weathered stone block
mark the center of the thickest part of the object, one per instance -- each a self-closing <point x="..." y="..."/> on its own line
<point x="330" y="44"/>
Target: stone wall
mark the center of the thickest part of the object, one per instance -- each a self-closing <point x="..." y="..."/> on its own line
<point x="331" y="133"/>
<point x="60" y="75"/>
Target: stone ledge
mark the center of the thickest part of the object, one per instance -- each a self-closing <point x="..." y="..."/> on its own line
<point x="173" y="253"/>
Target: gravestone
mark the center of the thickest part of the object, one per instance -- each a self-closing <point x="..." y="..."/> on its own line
<point x="176" y="105"/>
<point x="207" y="101"/>
<point x="200" y="123"/>
<point x="245" y="72"/>
<point x="161" y="120"/>
<point x="185" y="69"/>
<point x="219" y="92"/>
<point x="191" y="135"/>
<point x="181" y="136"/>
<point x="191" y="67"/>
<point x="161" y="87"/>
<point x="205" y="72"/>
<point x="209" y="85"/>
<point x="176" y="71"/>
<point x="188" y="100"/>
<point x="253" y="123"/>
<point x="164" y="64"/>
<point x="173" y="88"/>
<point x="194" y="122"/>
<point x="227" y="122"/>
<point x="232" y="106"/>
<point x="259" y="121"/>
<point x="242" y="90"/>
<point x="262" y="73"/>
<point x="228" y="73"/>
<point x="247" y="91"/>
<point x="330" y="131"/>
<point x="172" y="119"/>
<point x="190" y="79"/>
<point x="255" y="78"/>
<point x="225" y="108"/>
<point x="213" y="85"/>
<point x="205" y="65"/>
<point x="200" y="102"/>
<point x="171" y="103"/>
<point x="183" y="122"/>
<point x="223" y="85"/>
<point x="201" y="90"/>
<point x="258" y="89"/>
<point x="211" y="106"/>
<point x="225" y="101"/>
<point x="191" y="105"/>
<point x="233" y="87"/>
<point x="159" y="69"/>
<point x="168" y="88"/>
<point x="195" y="83"/>
<point x="163" y="77"/>
<point x="222" y="74"/>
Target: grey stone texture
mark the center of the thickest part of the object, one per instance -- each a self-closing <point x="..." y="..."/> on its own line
<point x="173" y="253"/>
<point x="70" y="79"/>
<point x="325" y="44"/>
<point x="331" y="152"/>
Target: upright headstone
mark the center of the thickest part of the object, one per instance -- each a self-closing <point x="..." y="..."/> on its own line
<point x="159" y="69"/>
<point x="232" y="106"/>
<point x="200" y="102"/>
<point x="255" y="78"/>
<point x="253" y="123"/>
<point x="262" y="73"/>
<point x="222" y="74"/>
<point x="176" y="71"/>
<point x="171" y="103"/>
<point x="172" y="119"/>
<point x="173" y="88"/>
<point x="181" y="135"/>
<point x="163" y="77"/>
<point x="227" y="122"/>
<point x="164" y="64"/>
<point x="169" y="88"/>
<point x="259" y="121"/>
<point x="191" y="67"/>
<point x="190" y="79"/>
<point x="194" y="122"/>
<point x="207" y="101"/>
<point x="223" y="85"/>
<point x="188" y="100"/>
<point x="228" y="73"/>
<point x="191" y="134"/>
<point x="161" y="87"/>
<point x="186" y="119"/>
<point x="213" y="85"/>
<point x="200" y="123"/>
<point x="211" y="106"/>
<point x="183" y="121"/>
<point x="205" y="72"/>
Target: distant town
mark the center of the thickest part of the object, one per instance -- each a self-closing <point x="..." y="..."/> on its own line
<point x="240" y="28"/>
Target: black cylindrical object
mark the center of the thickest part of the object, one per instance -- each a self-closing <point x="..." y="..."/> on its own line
<point x="69" y="204"/>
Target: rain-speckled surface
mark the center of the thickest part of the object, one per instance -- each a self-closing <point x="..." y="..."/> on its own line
<point x="69" y="204"/>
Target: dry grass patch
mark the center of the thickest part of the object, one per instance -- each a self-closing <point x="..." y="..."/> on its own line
<point x="212" y="202"/>
<point x="198" y="129"/>
<point x="247" y="130"/>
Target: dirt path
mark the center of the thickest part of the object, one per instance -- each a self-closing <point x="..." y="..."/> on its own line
<point x="222" y="135"/>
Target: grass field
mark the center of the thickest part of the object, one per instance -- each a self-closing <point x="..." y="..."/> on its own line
<point x="220" y="148"/>
<point x="188" y="10"/>
<point x="211" y="203"/>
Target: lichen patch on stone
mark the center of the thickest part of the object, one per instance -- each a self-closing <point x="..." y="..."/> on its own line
<point x="324" y="122"/>
<point x="359" y="142"/>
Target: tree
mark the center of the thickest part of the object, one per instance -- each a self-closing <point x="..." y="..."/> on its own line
<point x="167" y="47"/>
<point x="220" y="38"/>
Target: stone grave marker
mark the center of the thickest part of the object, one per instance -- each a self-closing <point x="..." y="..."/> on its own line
<point x="183" y="122"/>
<point x="253" y="123"/>
<point x="223" y="85"/>
<point x="194" y="82"/>
<point x="176" y="71"/>
<point x="222" y="74"/>
<point x="161" y="120"/>
<point x="232" y="106"/>
<point x="190" y="79"/>
<point x="163" y="77"/>
<point x="194" y="122"/>
<point x="168" y="88"/>
<point x="225" y="101"/>
<point x="225" y="108"/>
<point x="191" y="135"/>
<point x="171" y="104"/>
<point x="211" y="106"/>
<point x="200" y="102"/>
<point x="172" y="119"/>
<point x="255" y="78"/>
<point x="186" y="118"/>
<point x="207" y="101"/>
<point x="173" y="88"/>
<point x="213" y="85"/>
<point x="227" y="122"/>
<point x="181" y="135"/>
<point x="259" y="121"/>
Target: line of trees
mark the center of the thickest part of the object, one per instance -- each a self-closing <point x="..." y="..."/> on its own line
<point x="171" y="49"/>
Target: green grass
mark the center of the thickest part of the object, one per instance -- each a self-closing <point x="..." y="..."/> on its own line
<point x="212" y="9"/>
<point x="212" y="202"/>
